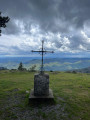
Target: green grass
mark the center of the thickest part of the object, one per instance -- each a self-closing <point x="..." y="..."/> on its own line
<point x="70" y="89"/>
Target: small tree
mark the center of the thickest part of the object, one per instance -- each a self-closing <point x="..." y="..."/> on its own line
<point x="32" y="69"/>
<point x="74" y="72"/>
<point x="20" y="66"/>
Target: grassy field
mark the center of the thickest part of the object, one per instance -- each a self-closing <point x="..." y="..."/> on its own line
<point x="71" y="96"/>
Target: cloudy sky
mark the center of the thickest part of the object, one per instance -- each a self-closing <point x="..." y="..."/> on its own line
<point x="64" y="25"/>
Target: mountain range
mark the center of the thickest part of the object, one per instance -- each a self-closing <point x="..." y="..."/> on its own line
<point x="54" y="64"/>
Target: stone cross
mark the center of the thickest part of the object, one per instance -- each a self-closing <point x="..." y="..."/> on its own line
<point x="42" y="51"/>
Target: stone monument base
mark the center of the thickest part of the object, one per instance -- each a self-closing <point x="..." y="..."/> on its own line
<point x="41" y="84"/>
<point x="33" y="97"/>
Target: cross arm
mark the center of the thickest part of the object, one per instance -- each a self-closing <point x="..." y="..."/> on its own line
<point x="35" y="51"/>
<point x="43" y="51"/>
<point x="49" y="51"/>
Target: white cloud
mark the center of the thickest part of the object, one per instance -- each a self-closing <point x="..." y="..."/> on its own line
<point x="86" y="38"/>
<point x="82" y="47"/>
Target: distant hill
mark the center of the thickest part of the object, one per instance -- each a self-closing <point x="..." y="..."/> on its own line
<point x="54" y="64"/>
<point x="3" y="68"/>
<point x="84" y="70"/>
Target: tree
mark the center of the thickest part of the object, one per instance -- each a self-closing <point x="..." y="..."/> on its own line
<point x="3" y="21"/>
<point x="20" y="66"/>
<point x="32" y="69"/>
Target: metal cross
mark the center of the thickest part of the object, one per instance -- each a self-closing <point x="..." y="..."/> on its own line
<point x="42" y="51"/>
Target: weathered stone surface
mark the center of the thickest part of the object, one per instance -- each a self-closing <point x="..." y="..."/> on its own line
<point x="41" y="85"/>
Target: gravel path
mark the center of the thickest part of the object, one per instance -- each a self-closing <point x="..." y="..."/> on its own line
<point x="16" y="107"/>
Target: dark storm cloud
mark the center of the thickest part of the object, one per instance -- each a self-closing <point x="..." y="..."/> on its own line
<point x="67" y="17"/>
<point x="51" y="15"/>
<point x="11" y="28"/>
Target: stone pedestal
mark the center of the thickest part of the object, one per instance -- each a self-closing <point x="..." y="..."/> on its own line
<point x="33" y="97"/>
<point x="41" y="84"/>
<point x="41" y="87"/>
